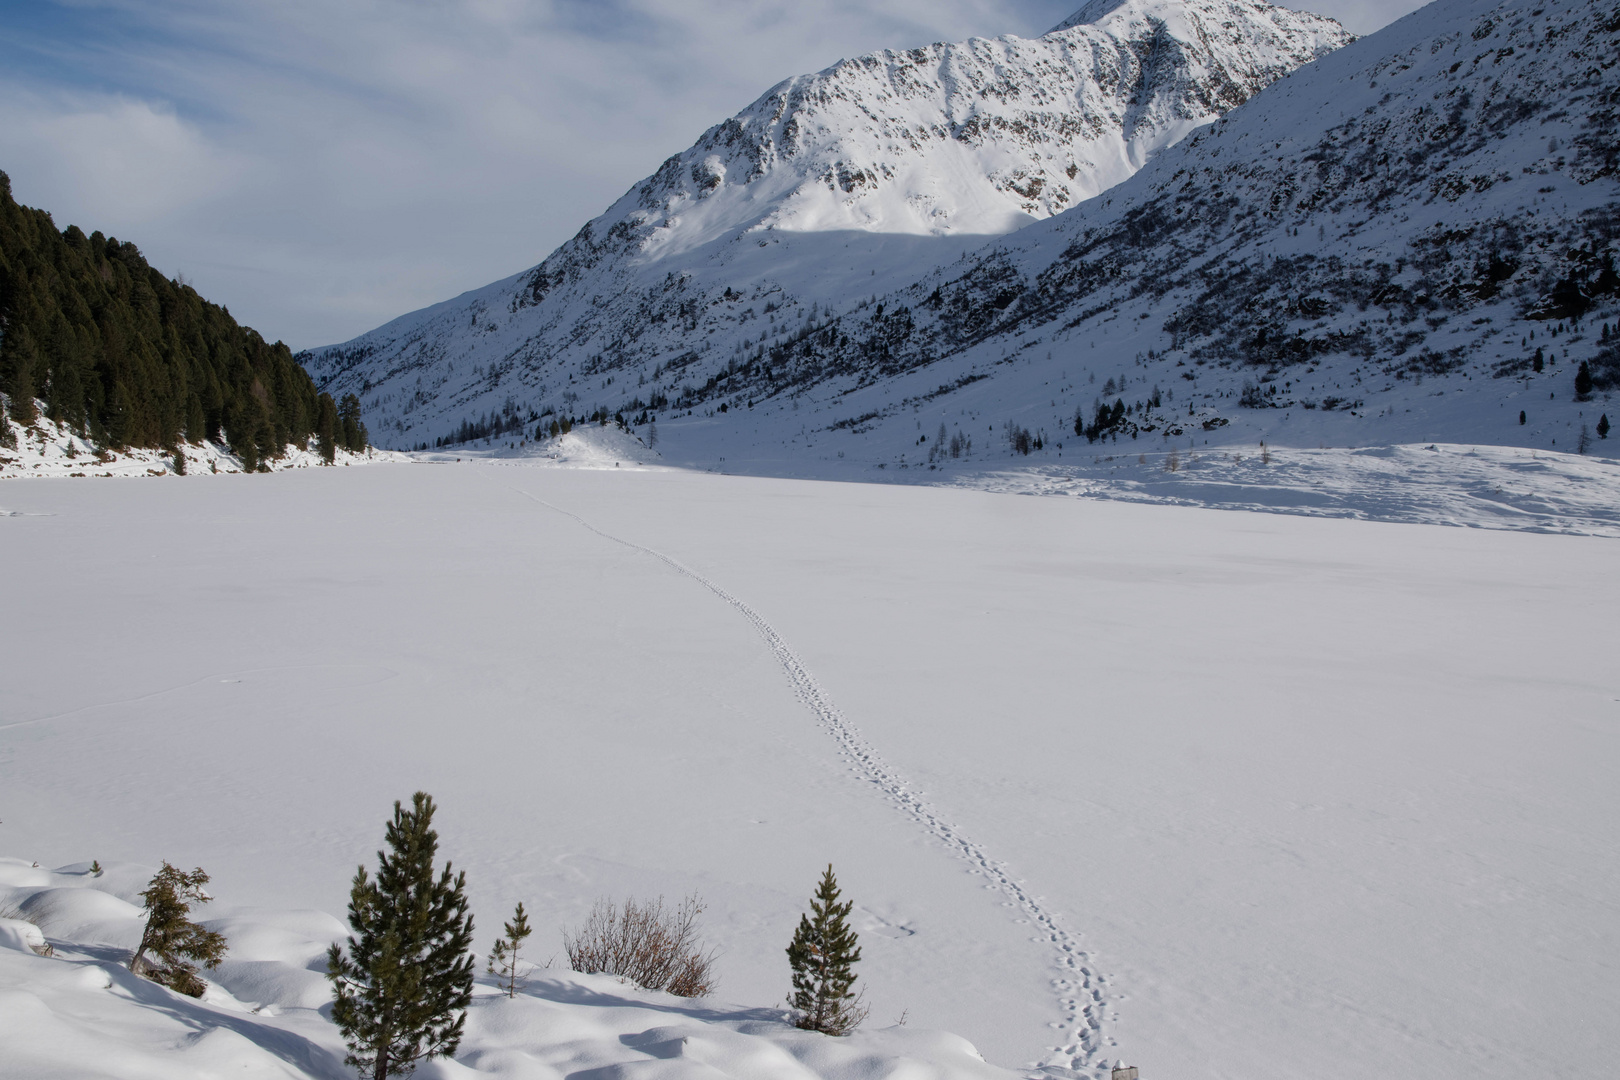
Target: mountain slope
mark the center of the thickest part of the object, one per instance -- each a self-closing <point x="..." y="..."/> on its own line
<point x="122" y="356"/>
<point x="1412" y="239"/>
<point x="828" y="188"/>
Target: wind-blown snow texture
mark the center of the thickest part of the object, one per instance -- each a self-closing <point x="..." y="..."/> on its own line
<point x="828" y="188"/>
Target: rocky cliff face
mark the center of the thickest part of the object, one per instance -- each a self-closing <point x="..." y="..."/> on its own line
<point x="829" y="189"/>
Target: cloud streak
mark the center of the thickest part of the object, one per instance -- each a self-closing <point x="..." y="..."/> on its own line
<point x="323" y="166"/>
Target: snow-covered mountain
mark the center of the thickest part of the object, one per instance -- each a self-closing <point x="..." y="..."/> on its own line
<point x="1412" y="239"/>
<point x="828" y="189"/>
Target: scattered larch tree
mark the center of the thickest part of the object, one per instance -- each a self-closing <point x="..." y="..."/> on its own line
<point x="171" y="940"/>
<point x="405" y="981"/>
<point x="503" y="958"/>
<point x="823" y="956"/>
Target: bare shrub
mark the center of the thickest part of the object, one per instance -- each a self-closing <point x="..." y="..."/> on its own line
<point x="653" y="947"/>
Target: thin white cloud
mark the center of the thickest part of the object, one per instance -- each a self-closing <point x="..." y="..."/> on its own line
<point x="139" y="161"/>
<point x="323" y="165"/>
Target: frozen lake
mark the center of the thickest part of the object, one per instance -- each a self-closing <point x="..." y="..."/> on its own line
<point x="1299" y="797"/>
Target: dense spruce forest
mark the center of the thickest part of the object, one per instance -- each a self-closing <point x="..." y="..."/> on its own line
<point x="129" y="358"/>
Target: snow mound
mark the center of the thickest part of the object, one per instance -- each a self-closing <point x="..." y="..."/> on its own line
<point x="46" y="448"/>
<point x="81" y="1013"/>
<point x="586" y="447"/>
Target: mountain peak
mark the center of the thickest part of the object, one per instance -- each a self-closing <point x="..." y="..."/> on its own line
<point x="1097" y="11"/>
<point x="1092" y="12"/>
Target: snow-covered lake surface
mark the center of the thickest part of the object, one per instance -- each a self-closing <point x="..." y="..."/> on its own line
<point x="1276" y="796"/>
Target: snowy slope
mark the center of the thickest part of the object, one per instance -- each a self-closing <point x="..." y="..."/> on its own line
<point x="1437" y="201"/>
<point x="1374" y="250"/>
<point x="1370" y="252"/>
<point x="46" y="448"/>
<point x="80" y="1012"/>
<point x="828" y="188"/>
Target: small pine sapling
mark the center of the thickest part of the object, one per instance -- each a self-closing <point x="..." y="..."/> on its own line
<point x="1603" y="426"/>
<point x="823" y="956"/>
<point x="503" y="958"/>
<point x="403" y="985"/>
<point x="171" y="939"/>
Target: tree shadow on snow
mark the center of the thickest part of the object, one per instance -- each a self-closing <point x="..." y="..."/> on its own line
<point x="572" y="993"/>
<point x="202" y="1018"/>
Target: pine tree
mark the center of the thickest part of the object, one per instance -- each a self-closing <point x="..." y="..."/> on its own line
<point x="21" y="388"/>
<point x="1583" y="382"/>
<point x="1603" y="426"/>
<point x="823" y="956"/>
<point x="353" y="436"/>
<point x="503" y="958"/>
<point x="126" y="356"/>
<point x="403" y="987"/>
<point x="326" y="427"/>
<point x="171" y="938"/>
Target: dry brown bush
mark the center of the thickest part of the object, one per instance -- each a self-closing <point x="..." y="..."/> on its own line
<point x="654" y="947"/>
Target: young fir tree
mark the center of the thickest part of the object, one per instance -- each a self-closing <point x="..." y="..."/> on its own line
<point x="1603" y="426"/>
<point x="503" y="958"/>
<point x="1583" y="382"/>
<point x="404" y="985"/>
<point x="171" y="939"/>
<point x="823" y="956"/>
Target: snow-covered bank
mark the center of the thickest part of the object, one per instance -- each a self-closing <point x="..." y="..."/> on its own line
<point x="46" y="448"/>
<point x="81" y="1013"/>
<point x="589" y="446"/>
<point x="1488" y="487"/>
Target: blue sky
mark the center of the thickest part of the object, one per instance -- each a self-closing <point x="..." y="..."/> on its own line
<point x="321" y="166"/>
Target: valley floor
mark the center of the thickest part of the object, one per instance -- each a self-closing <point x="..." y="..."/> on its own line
<point x="1271" y="795"/>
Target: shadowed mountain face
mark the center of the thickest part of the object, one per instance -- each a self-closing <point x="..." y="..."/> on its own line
<point x="829" y="189"/>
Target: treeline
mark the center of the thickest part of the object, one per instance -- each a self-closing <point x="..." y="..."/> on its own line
<point x="130" y="358"/>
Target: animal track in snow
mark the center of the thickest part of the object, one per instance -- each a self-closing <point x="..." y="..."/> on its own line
<point x="1080" y="1051"/>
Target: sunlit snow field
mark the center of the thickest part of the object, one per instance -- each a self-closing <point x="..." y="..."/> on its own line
<point x="1303" y="797"/>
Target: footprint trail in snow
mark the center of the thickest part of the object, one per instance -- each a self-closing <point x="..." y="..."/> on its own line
<point x="1077" y="983"/>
